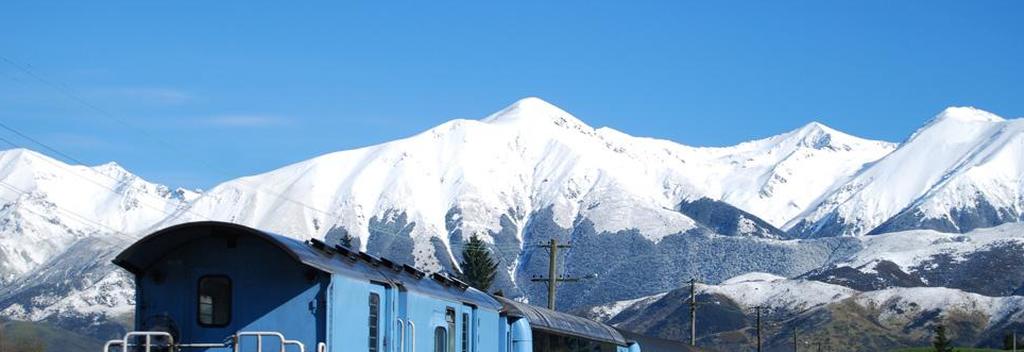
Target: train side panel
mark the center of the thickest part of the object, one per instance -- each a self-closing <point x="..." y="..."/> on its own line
<point x="488" y="331"/>
<point x="212" y="287"/>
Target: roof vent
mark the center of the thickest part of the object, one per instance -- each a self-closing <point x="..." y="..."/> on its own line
<point x="441" y="279"/>
<point x="390" y="264"/>
<point x="462" y="285"/>
<point x="369" y="258"/>
<point x="320" y="245"/>
<point x="413" y="271"/>
<point x="347" y="253"/>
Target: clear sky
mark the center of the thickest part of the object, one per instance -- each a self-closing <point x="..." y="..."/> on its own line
<point x="192" y="93"/>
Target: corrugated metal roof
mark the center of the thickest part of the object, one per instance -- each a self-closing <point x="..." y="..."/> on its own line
<point x="654" y="344"/>
<point x="336" y="260"/>
<point x="561" y="323"/>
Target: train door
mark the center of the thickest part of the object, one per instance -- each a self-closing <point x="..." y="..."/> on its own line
<point x="378" y="316"/>
<point x="445" y="333"/>
<point x="358" y="315"/>
<point x="466" y="329"/>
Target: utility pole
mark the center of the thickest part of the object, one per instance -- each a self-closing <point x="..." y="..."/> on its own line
<point x="693" y="312"/>
<point x="795" y="343"/>
<point x="757" y="310"/>
<point x="553" y="278"/>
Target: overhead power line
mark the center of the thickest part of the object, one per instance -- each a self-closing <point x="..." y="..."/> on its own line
<point x="90" y="180"/>
<point x="70" y="94"/>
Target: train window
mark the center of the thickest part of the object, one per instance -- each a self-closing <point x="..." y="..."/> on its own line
<point x="449" y="317"/>
<point x="465" y="332"/>
<point x="214" y="301"/>
<point x="374" y="321"/>
<point x="440" y="339"/>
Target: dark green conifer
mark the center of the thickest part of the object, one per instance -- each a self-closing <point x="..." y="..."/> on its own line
<point x="941" y="342"/>
<point x="478" y="268"/>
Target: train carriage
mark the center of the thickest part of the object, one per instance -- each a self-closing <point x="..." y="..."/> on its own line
<point x="218" y="287"/>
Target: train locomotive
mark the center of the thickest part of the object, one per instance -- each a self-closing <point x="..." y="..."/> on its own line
<point x="219" y="287"/>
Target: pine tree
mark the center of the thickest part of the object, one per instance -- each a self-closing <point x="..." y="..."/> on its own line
<point x="478" y="268"/>
<point x="1008" y="341"/>
<point x="941" y="342"/>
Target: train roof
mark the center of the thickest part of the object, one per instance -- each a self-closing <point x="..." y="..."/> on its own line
<point x="655" y="344"/>
<point x="561" y="323"/>
<point x="313" y="253"/>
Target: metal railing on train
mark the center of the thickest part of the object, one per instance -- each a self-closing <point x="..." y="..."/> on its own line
<point x="130" y="343"/>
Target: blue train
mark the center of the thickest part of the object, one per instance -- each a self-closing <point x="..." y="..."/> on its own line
<point x="217" y="287"/>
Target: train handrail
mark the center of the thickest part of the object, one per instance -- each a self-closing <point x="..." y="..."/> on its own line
<point x="259" y="340"/>
<point x="401" y="335"/>
<point x="124" y="342"/>
<point x="412" y="334"/>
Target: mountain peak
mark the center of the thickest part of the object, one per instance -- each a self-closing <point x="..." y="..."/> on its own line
<point x="956" y="120"/>
<point x="816" y="135"/>
<point x="112" y="169"/>
<point x="20" y="156"/>
<point x="814" y="128"/>
<point x="966" y="114"/>
<point x="534" y="111"/>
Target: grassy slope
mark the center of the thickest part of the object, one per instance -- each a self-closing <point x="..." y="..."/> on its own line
<point x="54" y="339"/>
<point x="958" y="349"/>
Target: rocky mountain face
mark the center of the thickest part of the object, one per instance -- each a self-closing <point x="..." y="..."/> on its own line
<point x="790" y="205"/>
<point x="818" y="314"/>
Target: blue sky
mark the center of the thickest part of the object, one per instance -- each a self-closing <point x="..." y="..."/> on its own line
<point x="195" y="93"/>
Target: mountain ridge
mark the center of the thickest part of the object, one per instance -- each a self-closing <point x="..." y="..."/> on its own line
<point x="528" y="173"/>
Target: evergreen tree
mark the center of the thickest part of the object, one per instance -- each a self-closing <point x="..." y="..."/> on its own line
<point x="1008" y="341"/>
<point x="478" y="268"/>
<point x="941" y="342"/>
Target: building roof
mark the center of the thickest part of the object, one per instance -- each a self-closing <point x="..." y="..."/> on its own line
<point x="561" y="323"/>
<point x="330" y="259"/>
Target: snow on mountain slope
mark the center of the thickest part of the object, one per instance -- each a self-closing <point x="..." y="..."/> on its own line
<point x="526" y="173"/>
<point x="48" y="205"/>
<point x="778" y="293"/>
<point x="467" y="175"/>
<point x="962" y="170"/>
<point x="779" y="177"/>
<point x="78" y="289"/>
<point x="891" y="317"/>
<point x="773" y="292"/>
<point x="982" y="261"/>
<point x="794" y="296"/>
<point x="525" y="158"/>
<point x="60" y="225"/>
<point x="906" y="303"/>
<point x="910" y="249"/>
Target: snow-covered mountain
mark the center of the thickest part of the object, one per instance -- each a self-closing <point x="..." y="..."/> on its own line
<point x="984" y="261"/>
<point x="533" y="172"/>
<point x="60" y="225"/>
<point x="48" y="205"/>
<point x="871" y="320"/>
<point x="962" y="170"/>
